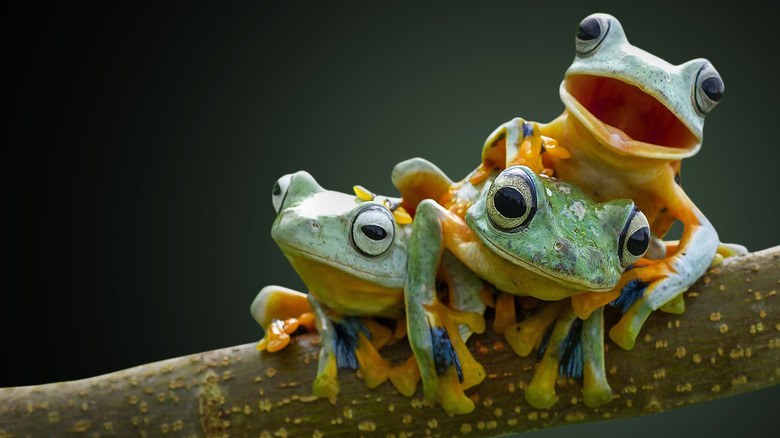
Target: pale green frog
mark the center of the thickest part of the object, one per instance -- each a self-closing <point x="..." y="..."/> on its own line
<point x="351" y="252"/>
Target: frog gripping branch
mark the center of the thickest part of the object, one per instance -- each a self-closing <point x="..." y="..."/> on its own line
<point x="630" y="118"/>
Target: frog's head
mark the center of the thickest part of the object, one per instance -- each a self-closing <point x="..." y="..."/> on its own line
<point x="634" y="101"/>
<point x="551" y="228"/>
<point x="336" y="235"/>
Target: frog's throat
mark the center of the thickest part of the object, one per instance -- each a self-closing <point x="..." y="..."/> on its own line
<point x="655" y="133"/>
<point x="576" y="286"/>
<point x="291" y="251"/>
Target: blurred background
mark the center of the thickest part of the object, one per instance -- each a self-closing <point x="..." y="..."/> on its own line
<point x="142" y="142"/>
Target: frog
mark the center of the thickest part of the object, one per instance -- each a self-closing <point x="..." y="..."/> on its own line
<point x="351" y="252"/>
<point x="528" y="235"/>
<point x="629" y="119"/>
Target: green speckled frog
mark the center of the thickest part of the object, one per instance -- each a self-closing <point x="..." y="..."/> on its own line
<point x="351" y="252"/>
<point x="630" y="118"/>
<point x="528" y="235"/>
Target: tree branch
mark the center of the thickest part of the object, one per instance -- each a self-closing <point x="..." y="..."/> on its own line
<point x="727" y="342"/>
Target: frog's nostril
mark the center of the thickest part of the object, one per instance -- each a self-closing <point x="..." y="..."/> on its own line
<point x="315" y="226"/>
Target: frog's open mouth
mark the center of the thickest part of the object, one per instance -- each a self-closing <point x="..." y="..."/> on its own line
<point x="630" y="119"/>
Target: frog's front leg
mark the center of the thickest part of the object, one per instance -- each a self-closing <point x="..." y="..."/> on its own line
<point x="280" y="311"/>
<point x="573" y="348"/>
<point x="649" y="287"/>
<point x="517" y="142"/>
<point x="432" y="326"/>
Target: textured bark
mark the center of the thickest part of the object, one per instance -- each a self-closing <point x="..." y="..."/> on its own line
<point x="727" y="342"/>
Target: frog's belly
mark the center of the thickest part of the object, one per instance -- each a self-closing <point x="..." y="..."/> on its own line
<point x="347" y="293"/>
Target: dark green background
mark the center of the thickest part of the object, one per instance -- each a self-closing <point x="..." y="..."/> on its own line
<point x="141" y="143"/>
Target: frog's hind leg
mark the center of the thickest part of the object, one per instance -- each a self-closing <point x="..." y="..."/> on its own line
<point x="666" y="279"/>
<point x="432" y="326"/>
<point x="573" y="348"/>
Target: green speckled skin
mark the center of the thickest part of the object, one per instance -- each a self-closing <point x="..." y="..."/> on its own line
<point x="570" y="238"/>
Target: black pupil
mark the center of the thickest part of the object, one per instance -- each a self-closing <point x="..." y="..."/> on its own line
<point x="589" y="29"/>
<point x="276" y="190"/>
<point x="374" y="232"/>
<point x="713" y="88"/>
<point x="639" y="241"/>
<point x="509" y="202"/>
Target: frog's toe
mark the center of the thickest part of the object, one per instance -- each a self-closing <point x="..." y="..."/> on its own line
<point x="676" y="306"/>
<point x="523" y="337"/>
<point x="326" y="384"/>
<point x="277" y="335"/>
<point x="595" y="389"/>
<point x="561" y="354"/>
<point x="450" y="394"/>
<point x="405" y="377"/>
<point x="505" y="313"/>
<point x="635" y="308"/>
<point x="375" y="368"/>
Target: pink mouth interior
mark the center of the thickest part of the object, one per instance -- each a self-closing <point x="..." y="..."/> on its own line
<point x="625" y="107"/>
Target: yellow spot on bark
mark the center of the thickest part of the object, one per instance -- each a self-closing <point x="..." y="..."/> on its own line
<point x="723" y="328"/>
<point x="282" y="432"/>
<point x="165" y="428"/>
<point x="697" y="358"/>
<point x="270" y="372"/>
<point x="629" y="403"/>
<point x="684" y="388"/>
<point x="741" y="380"/>
<point x="613" y="370"/>
<point x="715" y="388"/>
<point x="715" y="316"/>
<point x="316" y="434"/>
<point x="498" y="412"/>
<point x="391" y="407"/>
<point x="511" y="422"/>
<point x="407" y="419"/>
<point x="143" y="407"/>
<point x="80" y="426"/>
<point x="533" y="416"/>
<point x="54" y="417"/>
<point x="680" y="352"/>
<point x="510" y="387"/>
<point x="648" y="338"/>
<point x="575" y="416"/>
<point x="367" y="426"/>
<point x="659" y="374"/>
<point x="488" y="402"/>
<point x="661" y="343"/>
<point x="465" y="428"/>
<point x="133" y="400"/>
<point x="492" y="424"/>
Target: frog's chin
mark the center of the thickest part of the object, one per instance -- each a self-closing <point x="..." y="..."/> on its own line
<point x="626" y="118"/>
<point x="389" y="280"/>
<point x="576" y="286"/>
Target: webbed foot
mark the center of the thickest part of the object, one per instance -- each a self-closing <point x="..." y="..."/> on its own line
<point x="523" y="337"/>
<point x="572" y="348"/>
<point x="280" y="311"/>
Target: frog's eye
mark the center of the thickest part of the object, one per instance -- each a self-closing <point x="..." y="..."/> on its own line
<point x="634" y="239"/>
<point x="279" y="192"/>
<point x="709" y="88"/>
<point x="373" y="230"/>
<point x="511" y="199"/>
<point x="591" y="33"/>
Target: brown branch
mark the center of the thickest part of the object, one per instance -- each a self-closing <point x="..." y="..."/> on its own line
<point x="727" y="342"/>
